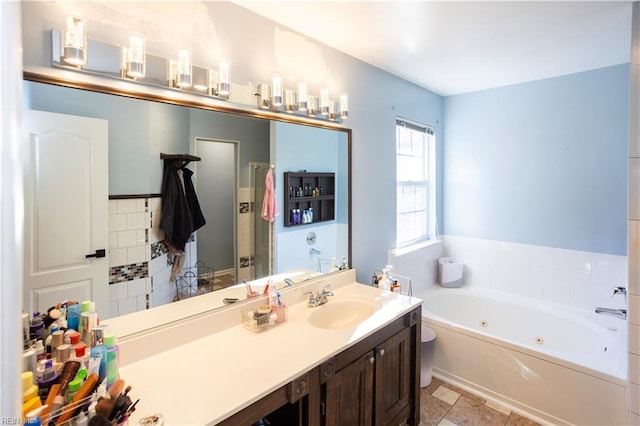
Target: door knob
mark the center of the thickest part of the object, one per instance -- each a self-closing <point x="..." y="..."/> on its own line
<point x="381" y="352"/>
<point x="97" y="254"/>
<point x="372" y="360"/>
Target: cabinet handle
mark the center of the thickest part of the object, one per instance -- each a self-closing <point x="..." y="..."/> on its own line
<point x="372" y="360"/>
<point x="381" y="352"/>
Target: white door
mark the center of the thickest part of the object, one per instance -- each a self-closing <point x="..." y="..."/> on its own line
<point x="66" y="210"/>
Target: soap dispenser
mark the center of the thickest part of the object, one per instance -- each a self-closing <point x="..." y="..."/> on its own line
<point x="385" y="283"/>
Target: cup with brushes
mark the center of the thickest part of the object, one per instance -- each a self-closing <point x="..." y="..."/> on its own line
<point x="115" y="406"/>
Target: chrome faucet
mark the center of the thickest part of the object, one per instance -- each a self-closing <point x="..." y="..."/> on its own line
<point x="313" y="251"/>
<point x="619" y="313"/>
<point x="320" y="298"/>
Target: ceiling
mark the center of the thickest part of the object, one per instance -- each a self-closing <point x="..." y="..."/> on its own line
<point x="453" y="47"/>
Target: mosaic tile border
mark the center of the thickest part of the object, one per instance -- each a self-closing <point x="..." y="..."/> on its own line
<point x="158" y="249"/>
<point x="130" y="272"/>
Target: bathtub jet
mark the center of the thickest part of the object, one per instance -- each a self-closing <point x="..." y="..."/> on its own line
<point x="619" y="313"/>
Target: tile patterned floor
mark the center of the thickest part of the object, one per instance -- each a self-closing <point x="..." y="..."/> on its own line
<point x="443" y="404"/>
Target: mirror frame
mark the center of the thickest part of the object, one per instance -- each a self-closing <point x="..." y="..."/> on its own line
<point x="193" y="102"/>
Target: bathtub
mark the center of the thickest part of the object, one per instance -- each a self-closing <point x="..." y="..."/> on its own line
<point x="553" y="364"/>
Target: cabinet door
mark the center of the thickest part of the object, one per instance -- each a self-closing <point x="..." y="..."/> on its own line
<point x="349" y="394"/>
<point x="393" y="379"/>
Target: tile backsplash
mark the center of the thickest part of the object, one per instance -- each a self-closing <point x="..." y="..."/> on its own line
<point x="139" y="268"/>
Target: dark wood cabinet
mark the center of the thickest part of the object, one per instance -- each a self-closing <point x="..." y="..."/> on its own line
<point x="349" y="394"/>
<point x="309" y="191"/>
<point x="393" y="379"/>
<point x="376" y="382"/>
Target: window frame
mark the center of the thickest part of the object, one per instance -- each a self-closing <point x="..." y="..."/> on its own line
<point x="428" y="183"/>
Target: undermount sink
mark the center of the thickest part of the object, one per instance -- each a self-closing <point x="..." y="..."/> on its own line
<point x="340" y="314"/>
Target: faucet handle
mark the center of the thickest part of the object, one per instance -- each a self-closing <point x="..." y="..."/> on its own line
<point x="621" y="290"/>
<point x="325" y="292"/>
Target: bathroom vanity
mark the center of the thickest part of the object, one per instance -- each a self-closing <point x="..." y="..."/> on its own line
<point x="352" y="361"/>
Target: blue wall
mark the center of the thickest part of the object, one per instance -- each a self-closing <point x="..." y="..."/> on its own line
<point x="543" y="162"/>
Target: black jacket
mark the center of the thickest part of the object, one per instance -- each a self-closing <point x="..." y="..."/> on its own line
<point x="181" y="214"/>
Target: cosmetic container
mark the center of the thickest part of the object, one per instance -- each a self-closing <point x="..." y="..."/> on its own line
<point x="29" y="359"/>
<point x="260" y="319"/>
<point x="88" y="320"/>
<point x="112" y="358"/>
<point x="57" y="339"/>
<point x="49" y="378"/>
<point x="73" y="317"/>
<point x="100" y="352"/>
<point x="36" y="327"/>
<point x="74" y="386"/>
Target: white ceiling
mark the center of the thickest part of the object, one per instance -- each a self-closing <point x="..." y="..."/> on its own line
<point x="453" y="47"/>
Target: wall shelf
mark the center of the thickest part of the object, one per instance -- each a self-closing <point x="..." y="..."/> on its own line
<point x="299" y="191"/>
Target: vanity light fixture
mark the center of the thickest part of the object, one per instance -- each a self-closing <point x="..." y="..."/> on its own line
<point x="344" y="106"/>
<point x="135" y="56"/>
<point x="276" y="91"/>
<point x="302" y="96"/>
<point x="75" y="42"/>
<point x="224" y="82"/>
<point x="183" y="72"/>
<point x="324" y="102"/>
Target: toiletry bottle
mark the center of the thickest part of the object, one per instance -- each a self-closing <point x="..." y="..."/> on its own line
<point x="310" y="214"/>
<point x="73" y="317"/>
<point x="49" y="377"/>
<point x="57" y="339"/>
<point x="112" y="358"/>
<point x="88" y="320"/>
<point x="29" y="359"/>
<point x="40" y="354"/>
<point x="99" y="355"/>
<point x="37" y="329"/>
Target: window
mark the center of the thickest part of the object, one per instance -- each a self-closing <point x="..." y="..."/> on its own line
<point x="415" y="177"/>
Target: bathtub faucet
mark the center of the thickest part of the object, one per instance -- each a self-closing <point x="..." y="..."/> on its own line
<point x="619" y="313"/>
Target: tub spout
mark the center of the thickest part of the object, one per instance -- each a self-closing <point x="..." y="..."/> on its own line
<point x="620" y="313"/>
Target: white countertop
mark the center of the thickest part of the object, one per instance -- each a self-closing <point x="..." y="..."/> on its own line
<point x="209" y="379"/>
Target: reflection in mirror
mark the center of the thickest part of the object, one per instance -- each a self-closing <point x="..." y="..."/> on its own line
<point x="237" y="152"/>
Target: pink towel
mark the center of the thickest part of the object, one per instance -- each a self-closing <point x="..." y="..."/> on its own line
<point x="269" y="207"/>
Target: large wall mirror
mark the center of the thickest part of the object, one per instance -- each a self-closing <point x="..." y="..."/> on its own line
<point x="237" y="149"/>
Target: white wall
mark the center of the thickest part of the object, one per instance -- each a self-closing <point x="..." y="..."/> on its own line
<point x="11" y="210"/>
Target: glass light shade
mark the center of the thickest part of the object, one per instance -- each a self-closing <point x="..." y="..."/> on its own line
<point x="136" y="56"/>
<point x="223" y="86"/>
<point x="264" y="95"/>
<point x="183" y="75"/>
<point x="289" y="101"/>
<point x="124" y="57"/>
<point x="75" y="42"/>
<point x="312" y="108"/>
<point x="344" y="106"/>
<point x="324" y="102"/>
<point x="302" y="96"/>
<point x="276" y="91"/>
